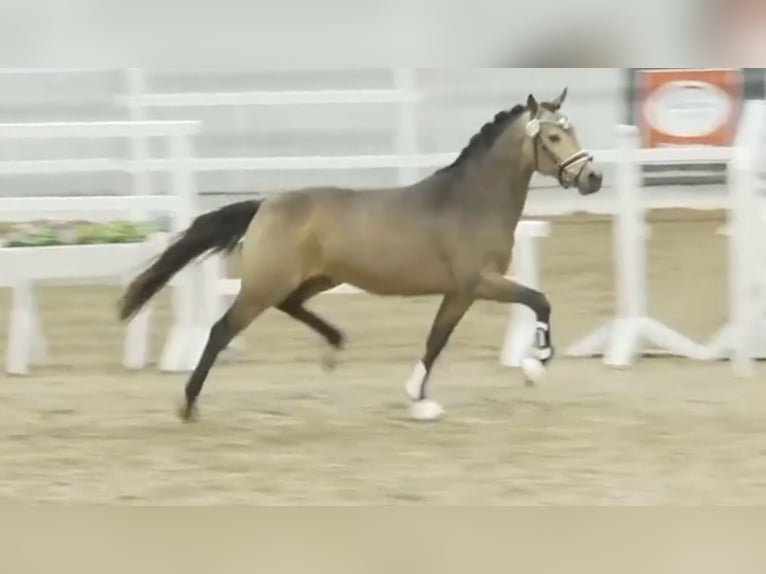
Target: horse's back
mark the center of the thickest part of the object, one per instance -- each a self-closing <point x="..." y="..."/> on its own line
<point x="289" y="228"/>
<point x="382" y="240"/>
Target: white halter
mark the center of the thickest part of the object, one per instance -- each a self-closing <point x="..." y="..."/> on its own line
<point x="533" y="129"/>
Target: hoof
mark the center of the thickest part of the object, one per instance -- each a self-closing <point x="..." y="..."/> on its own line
<point x="534" y="370"/>
<point x="426" y="410"/>
<point x="188" y="413"/>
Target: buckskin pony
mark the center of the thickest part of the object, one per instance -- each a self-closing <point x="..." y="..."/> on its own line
<point x="450" y="234"/>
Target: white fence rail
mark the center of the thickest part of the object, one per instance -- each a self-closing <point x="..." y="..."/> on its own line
<point x="403" y="93"/>
<point x="619" y="341"/>
<point x="22" y="267"/>
<point x="137" y="100"/>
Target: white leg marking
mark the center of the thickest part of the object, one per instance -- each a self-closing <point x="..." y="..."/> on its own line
<point x="414" y="384"/>
<point x="534" y="370"/>
<point x="426" y="410"/>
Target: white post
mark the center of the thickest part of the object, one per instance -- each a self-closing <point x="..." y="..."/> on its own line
<point x="630" y="229"/>
<point x="188" y="334"/>
<point x="743" y="263"/>
<point x="182" y="179"/>
<point x="519" y="335"/>
<point x="407" y="128"/>
<point x="26" y="339"/>
<point x="39" y="343"/>
<point x="743" y="338"/>
<point x="139" y="145"/>
<point x="136" y="346"/>
<point x="138" y="331"/>
<point x="630" y="240"/>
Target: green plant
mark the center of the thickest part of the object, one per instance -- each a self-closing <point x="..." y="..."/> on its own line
<point x="42" y="233"/>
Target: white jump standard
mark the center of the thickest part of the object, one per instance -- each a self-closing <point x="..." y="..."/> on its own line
<point x="743" y="338"/>
<point x="632" y="330"/>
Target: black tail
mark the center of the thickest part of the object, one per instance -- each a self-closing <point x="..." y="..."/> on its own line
<point x="215" y="231"/>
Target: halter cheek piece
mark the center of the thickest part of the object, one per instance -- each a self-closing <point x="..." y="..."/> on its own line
<point x="581" y="157"/>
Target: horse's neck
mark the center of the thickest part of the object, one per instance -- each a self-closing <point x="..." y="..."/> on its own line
<point x="501" y="188"/>
<point x="489" y="186"/>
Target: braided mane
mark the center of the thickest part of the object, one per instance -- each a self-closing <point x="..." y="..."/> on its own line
<point x="487" y="135"/>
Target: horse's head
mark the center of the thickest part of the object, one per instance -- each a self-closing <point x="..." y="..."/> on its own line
<point x="554" y="148"/>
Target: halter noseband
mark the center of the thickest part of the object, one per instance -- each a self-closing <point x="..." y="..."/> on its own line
<point x="583" y="157"/>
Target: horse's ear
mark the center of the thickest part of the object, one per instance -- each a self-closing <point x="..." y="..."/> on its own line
<point x="532" y="105"/>
<point x="558" y="102"/>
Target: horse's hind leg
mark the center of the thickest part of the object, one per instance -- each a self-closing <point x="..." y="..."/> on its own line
<point x="242" y="312"/>
<point x="293" y="306"/>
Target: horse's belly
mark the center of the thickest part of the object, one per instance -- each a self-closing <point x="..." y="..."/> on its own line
<point x="415" y="283"/>
<point x="388" y="270"/>
<point x="384" y="247"/>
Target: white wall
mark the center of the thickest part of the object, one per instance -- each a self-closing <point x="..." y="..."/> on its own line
<point x="462" y="100"/>
<point x="458" y="102"/>
<point x="304" y="33"/>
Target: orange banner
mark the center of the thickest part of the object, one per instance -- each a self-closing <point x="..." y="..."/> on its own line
<point x="689" y="107"/>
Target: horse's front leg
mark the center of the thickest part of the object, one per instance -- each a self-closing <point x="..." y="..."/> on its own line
<point x="451" y="311"/>
<point x="493" y="286"/>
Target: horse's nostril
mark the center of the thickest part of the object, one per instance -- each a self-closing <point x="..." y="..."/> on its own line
<point x="594" y="180"/>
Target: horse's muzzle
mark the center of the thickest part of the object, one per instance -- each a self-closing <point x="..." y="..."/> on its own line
<point x="590" y="182"/>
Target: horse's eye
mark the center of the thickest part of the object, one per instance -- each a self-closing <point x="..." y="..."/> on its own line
<point x="554" y="138"/>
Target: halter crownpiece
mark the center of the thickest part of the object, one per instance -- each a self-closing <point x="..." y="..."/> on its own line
<point x="533" y="127"/>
